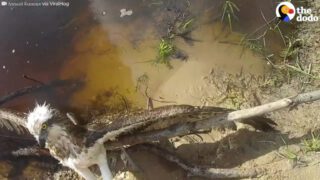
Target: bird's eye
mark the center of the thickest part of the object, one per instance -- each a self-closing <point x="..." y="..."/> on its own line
<point x="44" y="126"/>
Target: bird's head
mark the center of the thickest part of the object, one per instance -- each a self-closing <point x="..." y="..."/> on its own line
<point x="38" y="122"/>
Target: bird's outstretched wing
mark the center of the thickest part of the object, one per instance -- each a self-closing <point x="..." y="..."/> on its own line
<point x="159" y="118"/>
<point x="106" y="128"/>
<point x="13" y="121"/>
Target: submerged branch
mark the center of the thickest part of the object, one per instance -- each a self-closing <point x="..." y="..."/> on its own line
<point x="36" y="88"/>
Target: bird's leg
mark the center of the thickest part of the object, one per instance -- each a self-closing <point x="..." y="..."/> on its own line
<point x="85" y="173"/>
<point x="104" y="167"/>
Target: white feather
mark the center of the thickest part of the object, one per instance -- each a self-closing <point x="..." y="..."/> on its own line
<point x="39" y="115"/>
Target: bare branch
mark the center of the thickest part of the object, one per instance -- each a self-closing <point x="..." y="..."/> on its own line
<point x="274" y="106"/>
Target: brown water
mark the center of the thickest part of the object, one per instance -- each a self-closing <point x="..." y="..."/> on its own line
<point x="109" y="53"/>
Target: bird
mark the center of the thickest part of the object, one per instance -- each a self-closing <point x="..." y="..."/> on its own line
<point x="81" y="146"/>
<point x="66" y="142"/>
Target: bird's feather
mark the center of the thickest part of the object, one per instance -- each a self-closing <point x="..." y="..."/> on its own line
<point x="13" y="121"/>
<point x="111" y="127"/>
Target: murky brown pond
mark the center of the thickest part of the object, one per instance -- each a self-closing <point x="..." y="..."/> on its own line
<point x="90" y="41"/>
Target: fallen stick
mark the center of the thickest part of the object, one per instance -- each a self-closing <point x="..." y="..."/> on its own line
<point x="36" y="88"/>
<point x="188" y="128"/>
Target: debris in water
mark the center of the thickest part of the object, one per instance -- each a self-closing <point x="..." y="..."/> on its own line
<point x="125" y="12"/>
<point x="3" y="67"/>
<point x="13" y="51"/>
<point x="104" y="13"/>
<point x="4" y="3"/>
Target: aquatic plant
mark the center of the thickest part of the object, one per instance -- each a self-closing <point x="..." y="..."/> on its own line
<point x="165" y="50"/>
<point x="253" y="44"/>
<point x="229" y="12"/>
<point x="187" y="24"/>
<point x="291" y="49"/>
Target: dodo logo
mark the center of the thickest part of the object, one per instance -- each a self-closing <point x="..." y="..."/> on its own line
<point x="285" y="11"/>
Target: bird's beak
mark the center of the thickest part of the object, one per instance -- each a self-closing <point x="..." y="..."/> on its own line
<point x="42" y="142"/>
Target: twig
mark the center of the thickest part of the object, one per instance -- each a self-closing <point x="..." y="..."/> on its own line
<point x="36" y="88"/>
<point x="32" y="79"/>
<point x="301" y="71"/>
<point x="200" y="171"/>
<point x="265" y="19"/>
<point x="191" y="127"/>
<point x="156" y="100"/>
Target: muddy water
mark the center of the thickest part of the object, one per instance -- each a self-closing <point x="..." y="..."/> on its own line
<point x="34" y="42"/>
<point x="92" y="41"/>
<point x="109" y="53"/>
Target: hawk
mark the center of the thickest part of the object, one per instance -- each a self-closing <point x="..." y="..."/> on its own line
<point x="79" y="147"/>
<point x="67" y="142"/>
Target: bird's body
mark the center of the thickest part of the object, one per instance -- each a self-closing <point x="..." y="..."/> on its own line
<point x="67" y="142"/>
<point x="79" y="147"/>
